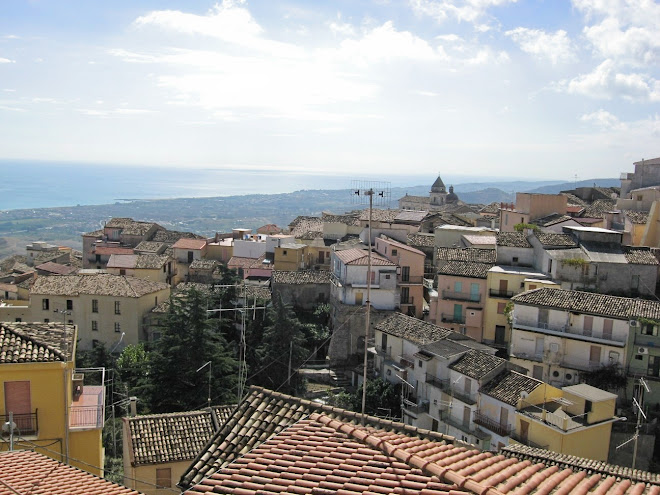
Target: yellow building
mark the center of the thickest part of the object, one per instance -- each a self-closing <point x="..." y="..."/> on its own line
<point x="290" y="256"/>
<point x="52" y="408"/>
<point x="575" y="420"/>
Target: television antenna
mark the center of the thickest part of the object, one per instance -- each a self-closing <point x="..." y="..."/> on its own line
<point x="638" y="407"/>
<point x="361" y="191"/>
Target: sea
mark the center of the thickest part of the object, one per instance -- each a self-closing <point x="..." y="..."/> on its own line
<point x="32" y="184"/>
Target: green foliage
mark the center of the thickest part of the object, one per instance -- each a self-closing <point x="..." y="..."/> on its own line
<point x="520" y="227"/>
<point x="283" y="341"/>
<point x="574" y="262"/>
<point x="382" y="398"/>
<point x="132" y="368"/>
<point x="186" y="344"/>
<point x="114" y="469"/>
<point x="508" y="313"/>
<point x="341" y="399"/>
<point x="610" y="377"/>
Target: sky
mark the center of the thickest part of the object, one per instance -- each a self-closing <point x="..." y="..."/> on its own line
<point x="542" y="89"/>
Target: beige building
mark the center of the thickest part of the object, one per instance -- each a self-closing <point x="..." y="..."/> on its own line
<point x="529" y="207"/>
<point x="108" y="309"/>
<point x="154" y="267"/>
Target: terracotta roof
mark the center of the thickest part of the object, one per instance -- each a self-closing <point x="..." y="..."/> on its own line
<point x="172" y="236"/>
<point x="513" y="239"/>
<point x="492" y="208"/>
<point x="25" y="471"/>
<point x="360" y="257"/>
<point x="263" y="414"/>
<point x="476" y="364"/>
<point x="255" y="291"/>
<point x="556" y="240"/>
<point x="411" y="216"/>
<point x="302" y="225"/>
<point x="22" y="342"/>
<point x="352" y="220"/>
<point x="56" y="268"/>
<point x="598" y="207"/>
<point x="102" y="284"/>
<point x="172" y="437"/>
<point x="588" y="302"/>
<point x="150" y="247"/>
<point x="318" y="450"/>
<point x="467" y="254"/>
<point x="508" y="385"/>
<point x="590" y="466"/>
<point x="122" y="261"/>
<point x="203" y="264"/>
<point x="240" y="262"/>
<point x="378" y="215"/>
<point x="8" y="287"/>
<point x="130" y="226"/>
<point x="189" y="244"/>
<point x="465" y="269"/>
<point x="107" y="251"/>
<point x="412" y="329"/>
<point x="301" y="277"/>
<point x="572" y="199"/>
<point x="421" y="240"/>
<point x="639" y="256"/>
<point x="638" y="217"/>
<point x="552" y="219"/>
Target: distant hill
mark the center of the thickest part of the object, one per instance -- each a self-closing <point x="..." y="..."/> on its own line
<point x="564" y="186"/>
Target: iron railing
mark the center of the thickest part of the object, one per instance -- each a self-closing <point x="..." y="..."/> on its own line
<point x="86" y="416"/>
<point x="461" y="296"/>
<point x="495" y="426"/>
<point x="26" y="424"/>
<point x="452" y="318"/>
<point x="507" y="294"/>
<point x="434" y="381"/>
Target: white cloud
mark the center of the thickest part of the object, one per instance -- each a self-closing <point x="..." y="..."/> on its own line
<point x="556" y="47"/>
<point x="461" y="10"/>
<point x="114" y="112"/>
<point x="601" y="118"/>
<point x="6" y="61"/>
<point x="624" y="31"/>
<point x="227" y="22"/>
<point x="607" y="82"/>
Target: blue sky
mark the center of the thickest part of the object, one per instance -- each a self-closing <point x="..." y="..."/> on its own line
<point x="531" y="88"/>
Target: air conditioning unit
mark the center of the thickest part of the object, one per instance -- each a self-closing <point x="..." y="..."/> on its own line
<point x="642" y="350"/>
<point x="633" y="323"/>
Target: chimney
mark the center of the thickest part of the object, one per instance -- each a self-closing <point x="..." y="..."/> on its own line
<point x="133" y="407"/>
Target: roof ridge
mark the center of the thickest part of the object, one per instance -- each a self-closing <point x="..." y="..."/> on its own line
<point x="195" y="412"/>
<point x="59" y="353"/>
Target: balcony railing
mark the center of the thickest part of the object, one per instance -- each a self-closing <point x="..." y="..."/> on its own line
<point x="526" y="441"/>
<point x="507" y="294"/>
<point x="452" y="318"/>
<point x="86" y="416"/>
<point x="26" y="424"/>
<point x="468" y="398"/>
<point x="461" y="296"/>
<point x="408" y="300"/>
<point x="411" y="280"/>
<point x="416" y="408"/>
<point x="384" y="351"/>
<point x="436" y="382"/>
<point x="567" y="330"/>
<point x="494" y="426"/>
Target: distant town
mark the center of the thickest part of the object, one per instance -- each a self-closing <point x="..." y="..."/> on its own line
<point x="440" y="345"/>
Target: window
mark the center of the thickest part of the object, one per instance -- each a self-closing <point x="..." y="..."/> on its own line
<point x="18" y="320"/>
<point x="420" y="363"/>
<point x="405" y="295"/>
<point x="69" y="304"/>
<point x="500" y="308"/>
<point x="654" y="366"/>
<point x="649" y="329"/>
<point x="117" y="327"/>
<point x="95" y="326"/>
<point x="122" y="271"/>
<point x="95" y="305"/>
<point x="394" y="252"/>
<point x="515" y="260"/>
<point x="117" y="308"/>
<point x="46" y="320"/>
<point x="70" y="322"/>
<point x="283" y="252"/>
<point x="190" y="256"/>
<point x="45" y="304"/>
<point x="163" y="478"/>
<point x="405" y="273"/>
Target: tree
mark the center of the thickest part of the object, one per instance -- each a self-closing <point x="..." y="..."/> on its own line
<point x="382" y="398"/>
<point x="283" y="343"/>
<point x="187" y="344"/>
<point x="132" y="367"/>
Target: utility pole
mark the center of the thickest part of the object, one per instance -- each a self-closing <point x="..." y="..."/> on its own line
<point x="368" y="192"/>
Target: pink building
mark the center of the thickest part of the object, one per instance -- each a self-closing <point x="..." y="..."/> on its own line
<point x="410" y="274"/>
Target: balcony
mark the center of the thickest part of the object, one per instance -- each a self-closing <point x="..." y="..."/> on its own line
<point x="461" y="296"/>
<point x="410" y="280"/>
<point x="408" y="300"/>
<point x="568" y="331"/>
<point x="530" y="357"/>
<point x="492" y="425"/>
<point x="436" y="382"/>
<point x="26" y="424"/>
<point x="506" y="294"/>
<point x="525" y="441"/>
<point x="465" y="427"/>
<point x="86" y="411"/>
<point x="452" y="318"/>
<point x="384" y="351"/>
<point x="416" y="408"/>
<point x="467" y="398"/>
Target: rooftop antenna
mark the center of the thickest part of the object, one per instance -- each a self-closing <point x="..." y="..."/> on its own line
<point x="361" y="191"/>
<point x="638" y="406"/>
<point x="210" y="365"/>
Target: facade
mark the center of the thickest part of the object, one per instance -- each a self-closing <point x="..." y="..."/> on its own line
<point x="290" y="256"/>
<point x="410" y="273"/>
<point x="186" y="251"/>
<point x="646" y="174"/>
<point x="54" y="410"/>
<point x="107" y="309"/>
<point x="305" y="289"/>
<point x="559" y="334"/>
<point x="349" y="270"/>
<point x="530" y="207"/>
<point x="154" y="267"/>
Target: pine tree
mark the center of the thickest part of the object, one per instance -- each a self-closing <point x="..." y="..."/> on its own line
<point x="187" y="343"/>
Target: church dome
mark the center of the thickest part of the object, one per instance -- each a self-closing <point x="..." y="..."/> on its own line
<point x="451" y="197"/>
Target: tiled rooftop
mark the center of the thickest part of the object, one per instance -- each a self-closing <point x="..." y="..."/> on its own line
<point x="639" y="256"/>
<point x="599" y="207"/>
<point x="476" y="364"/>
<point x="318" y="450"/>
<point x="556" y="240"/>
<point x="101" y="284"/>
<point x="189" y="244"/>
<point x="26" y="472"/>
<point x="378" y="215"/>
<point x="301" y="277"/>
<point x="350" y="220"/>
<point x="150" y="247"/>
<point x="56" y="268"/>
<point x="590" y="466"/>
<point x="445" y="348"/>
<point x="412" y="329"/>
<point x="485" y="240"/>
<point x="172" y="437"/>
<point x="638" y="217"/>
<point x="302" y="225"/>
<point x="22" y="342"/>
<point x="421" y="240"/>
<point x="589" y="303"/>
<point x="508" y="385"/>
<point x="513" y="239"/>
<point x="203" y="264"/>
<point x="467" y="254"/>
<point x="358" y="256"/>
<point x="465" y="269"/>
<point x="172" y="236"/>
<point x="572" y="199"/>
<point x="414" y="216"/>
<point x="491" y="209"/>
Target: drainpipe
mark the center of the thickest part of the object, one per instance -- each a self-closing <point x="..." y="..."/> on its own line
<point x="67" y="389"/>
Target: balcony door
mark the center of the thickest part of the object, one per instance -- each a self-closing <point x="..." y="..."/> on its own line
<point x="17" y="401"/>
<point x="458" y="313"/>
<point x="524" y="430"/>
<point x="358" y="298"/>
<point x="504" y="417"/>
<point x="474" y="292"/>
<point x="504" y="285"/>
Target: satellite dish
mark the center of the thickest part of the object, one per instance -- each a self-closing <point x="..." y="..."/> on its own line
<point x="7" y="426"/>
<point x="524" y="395"/>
